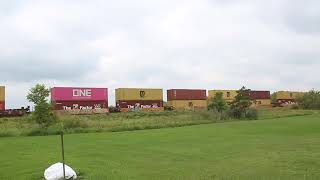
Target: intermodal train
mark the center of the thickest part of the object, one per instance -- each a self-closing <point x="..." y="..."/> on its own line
<point x="87" y="100"/>
<point x="10" y="112"/>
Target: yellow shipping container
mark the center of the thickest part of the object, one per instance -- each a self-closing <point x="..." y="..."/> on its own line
<point x="188" y="104"/>
<point x="262" y="102"/>
<point x="228" y="95"/>
<point x="288" y="95"/>
<point x="2" y="93"/>
<point x="125" y="94"/>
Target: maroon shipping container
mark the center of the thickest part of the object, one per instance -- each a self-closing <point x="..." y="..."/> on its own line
<point x="186" y="94"/>
<point x="260" y="95"/>
<point x="2" y="106"/>
<point x="71" y="105"/>
<point x="140" y="104"/>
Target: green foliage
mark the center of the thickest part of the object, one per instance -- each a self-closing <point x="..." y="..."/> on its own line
<point x="252" y="114"/>
<point x="42" y="115"/>
<point x="27" y="126"/>
<point x="310" y="100"/>
<point x="74" y="123"/>
<point x="218" y="103"/>
<point x="274" y="97"/>
<point x="38" y="94"/>
<point x="113" y="109"/>
<point x="240" y="106"/>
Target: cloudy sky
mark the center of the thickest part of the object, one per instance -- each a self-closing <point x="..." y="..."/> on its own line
<point x="213" y="44"/>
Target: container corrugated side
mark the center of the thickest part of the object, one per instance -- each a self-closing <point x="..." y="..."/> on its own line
<point x="72" y="105"/>
<point x="188" y="104"/>
<point x="2" y="93"/>
<point x="142" y="104"/>
<point x="261" y="103"/>
<point x="2" y="105"/>
<point x="138" y="94"/>
<point x="288" y="95"/>
<point x="228" y="95"/>
<point x="260" y="95"/>
<point x="79" y="94"/>
<point x="186" y="94"/>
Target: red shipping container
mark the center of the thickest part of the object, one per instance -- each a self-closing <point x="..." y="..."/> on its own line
<point x="140" y="104"/>
<point x="2" y="106"/>
<point x="260" y="95"/>
<point x="186" y="94"/>
<point x="72" y="105"/>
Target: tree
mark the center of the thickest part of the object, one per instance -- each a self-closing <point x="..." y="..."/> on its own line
<point x="38" y="95"/>
<point x="310" y="100"/>
<point x="241" y="104"/>
<point x="218" y="103"/>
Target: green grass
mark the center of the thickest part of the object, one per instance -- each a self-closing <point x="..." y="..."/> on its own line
<point x="284" y="148"/>
<point x="25" y="126"/>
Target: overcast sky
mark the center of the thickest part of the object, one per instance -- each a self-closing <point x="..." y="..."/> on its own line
<point x="212" y="44"/>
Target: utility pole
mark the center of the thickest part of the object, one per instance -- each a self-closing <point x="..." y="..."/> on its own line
<point x="62" y="150"/>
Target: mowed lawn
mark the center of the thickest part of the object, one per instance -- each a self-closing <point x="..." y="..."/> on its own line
<point x="285" y="148"/>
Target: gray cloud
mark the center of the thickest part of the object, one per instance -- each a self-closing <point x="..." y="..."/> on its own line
<point x="171" y="44"/>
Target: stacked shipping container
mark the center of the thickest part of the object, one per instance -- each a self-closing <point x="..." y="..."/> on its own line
<point x="187" y="99"/>
<point x="287" y="97"/>
<point x="80" y="100"/>
<point x="129" y="99"/>
<point x="228" y="95"/>
<point x="2" y="98"/>
<point x="261" y="98"/>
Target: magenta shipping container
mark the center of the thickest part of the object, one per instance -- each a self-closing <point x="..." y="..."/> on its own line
<point x="79" y="94"/>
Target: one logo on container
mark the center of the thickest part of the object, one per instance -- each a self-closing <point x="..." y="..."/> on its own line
<point x="81" y="92"/>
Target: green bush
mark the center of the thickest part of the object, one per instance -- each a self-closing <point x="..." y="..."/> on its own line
<point x="42" y="132"/>
<point x="310" y="100"/>
<point x="241" y="104"/>
<point x="74" y="123"/>
<point x="252" y="114"/>
<point x="217" y="103"/>
<point x="113" y="109"/>
<point x="295" y="106"/>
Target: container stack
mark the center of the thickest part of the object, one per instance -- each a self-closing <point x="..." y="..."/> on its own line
<point x="136" y="99"/>
<point x="2" y="98"/>
<point x="80" y="100"/>
<point x="228" y="95"/>
<point x="187" y="99"/>
<point x="287" y="97"/>
<point x="260" y="98"/>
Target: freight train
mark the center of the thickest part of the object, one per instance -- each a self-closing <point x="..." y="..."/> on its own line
<point x="83" y="100"/>
<point x="10" y="112"/>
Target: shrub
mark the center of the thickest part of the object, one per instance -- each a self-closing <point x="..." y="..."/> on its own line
<point x="310" y="100"/>
<point x="74" y="123"/>
<point x="235" y="113"/>
<point x="295" y="106"/>
<point x="241" y="104"/>
<point x="42" y="132"/>
<point x="113" y="109"/>
<point x="252" y="114"/>
<point x="218" y="103"/>
<point x="43" y="116"/>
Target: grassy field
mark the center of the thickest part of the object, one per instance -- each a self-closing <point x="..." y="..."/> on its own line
<point x="25" y="126"/>
<point x="284" y="148"/>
